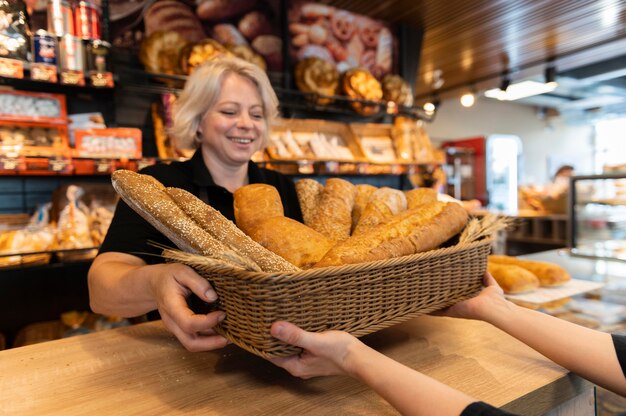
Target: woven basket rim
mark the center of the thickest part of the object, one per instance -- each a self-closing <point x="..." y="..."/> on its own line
<point x="334" y="270"/>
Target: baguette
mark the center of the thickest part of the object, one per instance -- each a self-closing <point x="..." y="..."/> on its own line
<point x="513" y="279"/>
<point x="383" y="204"/>
<point x="213" y="222"/>
<point x="363" y="193"/>
<point x="147" y="196"/>
<point x="412" y="231"/>
<point x="549" y="274"/>
<point x="419" y="196"/>
<point x="299" y="244"/>
<point x="309" y="192"/>
<point x="334" y="214"/>
<point x="254" y="203"/>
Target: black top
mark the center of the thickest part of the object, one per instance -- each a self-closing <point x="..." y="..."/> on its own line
<point x="484" y="409"/>
<point x="130" y="233"/>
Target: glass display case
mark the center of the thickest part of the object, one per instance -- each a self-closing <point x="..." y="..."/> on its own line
<point x="598" y="216"/>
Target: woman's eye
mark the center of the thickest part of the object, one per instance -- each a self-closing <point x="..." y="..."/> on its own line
<point x="257" y="116"/>
<point x="228" y="112"/>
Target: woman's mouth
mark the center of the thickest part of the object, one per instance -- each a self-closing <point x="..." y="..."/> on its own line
<point x="240" y="140"/>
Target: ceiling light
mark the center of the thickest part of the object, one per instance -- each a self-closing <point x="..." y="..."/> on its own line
<point x="432" y="104"/>
<point x="520" y="90"/>
<point x="468" y="98"/>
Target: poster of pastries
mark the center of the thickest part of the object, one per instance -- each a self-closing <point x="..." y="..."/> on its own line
<point x="345" y="39"/>
<point x="244" y="23"/>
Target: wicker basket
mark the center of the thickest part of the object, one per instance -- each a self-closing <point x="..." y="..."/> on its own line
<point x="360" y="298"/>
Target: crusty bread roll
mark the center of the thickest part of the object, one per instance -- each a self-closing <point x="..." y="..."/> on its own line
<point x="419" y="196"/>
<point x="220" y="227"/>
<point x="292" y="240"/>
<point x="334" y="214"/>
<point x="412" y="231"/>
<point x="309" y="192"/>
<point x="254" y="203"/>
<point x="513" y="279"/>
<point x="148" y="198"/>
<point x="383" y="204"/>
<point x="363" y="193"/>
<point x="549" y="274"/>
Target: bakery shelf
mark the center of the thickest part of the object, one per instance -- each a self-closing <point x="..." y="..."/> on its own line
<point x="292" y="102"/>
<point x="28" y="84"/>
<point x="315" y="167"/>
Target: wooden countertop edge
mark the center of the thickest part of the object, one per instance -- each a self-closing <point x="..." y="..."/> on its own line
<point x="550" y="396"/>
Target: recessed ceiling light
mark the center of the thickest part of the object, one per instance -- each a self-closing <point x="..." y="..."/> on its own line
<point x="519" y="90"/>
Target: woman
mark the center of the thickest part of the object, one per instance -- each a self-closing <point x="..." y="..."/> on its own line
<point x="225" y="111"/>
<point x="596" y="356"/>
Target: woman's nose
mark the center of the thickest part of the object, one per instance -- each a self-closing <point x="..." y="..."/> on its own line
<point x="244" y="121"/>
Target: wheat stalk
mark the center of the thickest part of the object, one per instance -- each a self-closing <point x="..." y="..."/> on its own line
<point x="487" y="226"/>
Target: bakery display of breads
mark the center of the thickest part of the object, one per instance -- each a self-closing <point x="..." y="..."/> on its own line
<point x="516" y="275"/>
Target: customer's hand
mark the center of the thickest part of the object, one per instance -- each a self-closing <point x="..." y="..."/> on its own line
<point x="170" y="288"/>
<point x="323" y="354"/>
<point x="488" y="302"/>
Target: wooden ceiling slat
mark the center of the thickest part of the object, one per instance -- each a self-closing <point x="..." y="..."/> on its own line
<point x="494" y="33"/>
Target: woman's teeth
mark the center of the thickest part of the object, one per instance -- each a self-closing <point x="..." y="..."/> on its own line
<point x="241" y="141"/>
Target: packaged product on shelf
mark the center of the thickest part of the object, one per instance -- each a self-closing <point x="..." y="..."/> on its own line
<point x="312" y="140"/>
<point x="111" y="143"/>
<point x="60" y="18"/>
<point x="84" y="121"/>
<point x="375" y="141"/>
<point x="14" y="30"/>
<point x="32" y="106"/>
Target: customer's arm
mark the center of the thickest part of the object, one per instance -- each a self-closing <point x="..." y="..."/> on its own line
<point x="339" y="353"/>
<point x="123" y="285"/>
<point x="586" y="352"/>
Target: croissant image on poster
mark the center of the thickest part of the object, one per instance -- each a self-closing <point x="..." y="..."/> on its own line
<point x="345" y="39"/>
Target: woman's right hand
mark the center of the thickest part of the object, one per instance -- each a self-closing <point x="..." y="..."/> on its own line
<point x="485" y="306"/>
<point x="171" y="287"/>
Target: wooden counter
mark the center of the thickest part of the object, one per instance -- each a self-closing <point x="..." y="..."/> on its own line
<point x="143" y="370"/>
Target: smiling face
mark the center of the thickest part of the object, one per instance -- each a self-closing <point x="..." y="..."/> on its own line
<point x="235" y="127"/>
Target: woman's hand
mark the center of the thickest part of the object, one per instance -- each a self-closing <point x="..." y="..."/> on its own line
<point x="323" y="354"/>
<point x="171" y="288"/>
<point x="488" y="302"/>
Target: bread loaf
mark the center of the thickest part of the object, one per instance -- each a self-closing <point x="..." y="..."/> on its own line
<point x="213" y="222"/>
<point x="363" y="193"/>
<point x="513" y="279"/>
<point x="334" y="214"/>
<point x="309" y="192"/>
<point x="419" y="196"/>
<point x="549" y="274"/>
<point x="292" y="240"/>
<point x="383" y="204"/>
<point x="148" y="198"/>
<point x="412" y="231"/>
<point x="254" y="203"/>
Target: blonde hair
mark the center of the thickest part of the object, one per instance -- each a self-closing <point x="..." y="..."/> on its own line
<point x="204" y="86"/>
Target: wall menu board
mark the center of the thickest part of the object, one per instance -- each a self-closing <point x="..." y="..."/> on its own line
<point x="345" y="39"/>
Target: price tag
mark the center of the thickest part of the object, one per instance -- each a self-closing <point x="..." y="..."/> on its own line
<point x="43" y="72"/>
<point x="70" y="77"/>
<point x="332" y="167"/>
<point x="101" y="79"/>
<point x="362" y="168"/>
<point x="9" y="163"/>
<point x="12" y="68"/>
<point x="305" y="167"/>
<point x="57" y="165"/>
<point x="103" y="166"/>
